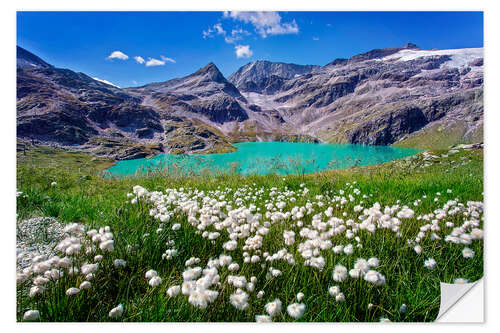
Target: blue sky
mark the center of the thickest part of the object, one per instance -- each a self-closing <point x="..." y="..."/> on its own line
<point x="175" y="44"/>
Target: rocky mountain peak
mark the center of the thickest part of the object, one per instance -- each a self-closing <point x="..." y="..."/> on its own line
<point x="211" y="72"/>
<point x="410" y="46"/>
<point x="26" y="59"/>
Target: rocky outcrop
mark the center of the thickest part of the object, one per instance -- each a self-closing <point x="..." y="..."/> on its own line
<point x="256" y="74"/>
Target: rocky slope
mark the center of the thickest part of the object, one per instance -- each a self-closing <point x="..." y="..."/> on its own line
<point x="402" y="95"/>
<point x="266" y="76"/>
<point x="60" y="107"/>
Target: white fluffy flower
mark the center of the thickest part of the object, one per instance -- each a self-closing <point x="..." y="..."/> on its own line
<point x="263" y="319"/>
<point x="230" y="245"/>
<point x="296" y="310"/>
<point x="89" y="268"/>
<point x="116" y="312"/>
<point x="233" y="267"/>
<point x="31" y="315"/>
<point x="274" y="307"/>
<point x="155" y="281"/>
<point x="468" y="253"/>
<point x="339" y="273"/>
<point x="430" y="263"/>
<point x="239" y="300"/>
<point x="85" y="285"/>
<point x="355" y="273"/>
<point x="35" y="290"/>
<point x="334" y="291"/>
<point x="151" y="273"/>
<point x="362" y="265"/>
<point x="373" y="262"/>
<point x="300" y="296"/>
<point x="173" y="291"/>
<point x="72" y="291"/>
<point x="119" y="263"/>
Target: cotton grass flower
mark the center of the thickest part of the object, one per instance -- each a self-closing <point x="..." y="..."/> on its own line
<point x="72" y="291"/>
<point x="263" y="319"/>
<point x="373" y="262"/>
<point x="340" y="297"/>
<point x="31" y="315"/>
<point x="173" y="291"/>
<point x="300" y="296"/>
<point x="151" y="273"/>
<point x="36" y="290"/>
<point x="430" y="263"/>
<point x="155" y="281"/>
<point x="239" y="300"/>
<point x="89" y="268"/>
<point x="334" y="291"/>
<point x="339" y="273"/>
<point x="355" y="273"/>
<point x="119" y="263"/>
<point x="468" y="253"/>
<point x="274" y="307"/>
<point x="296" y="310"/>
<point x="116" y="312"/>
<point x="84" y="285"/>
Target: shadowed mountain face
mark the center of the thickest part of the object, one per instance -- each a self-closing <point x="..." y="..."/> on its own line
<point x="259" y="75"/>
<point x="385" y="96"/>
<point x="204" y="93"/>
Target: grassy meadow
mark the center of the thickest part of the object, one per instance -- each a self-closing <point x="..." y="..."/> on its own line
<point x="82" y="195"/>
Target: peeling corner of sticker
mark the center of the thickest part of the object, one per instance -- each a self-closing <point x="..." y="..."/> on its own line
<point x="451" y="295"/>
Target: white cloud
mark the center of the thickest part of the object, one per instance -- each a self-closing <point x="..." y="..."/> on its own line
<point x="118" y="55"/>
<point x="218" y="28"/>
<point x="243" y="51"/>
<point x="105" y="81"/>
<point x="167" y="59"/>
<point x="139" y="59"/>
<point x="154" y="62"/>
<point x="315" y="38"/>
<point x="265" y="23"/>
<point x="208" y="33"/>
<point x="236" y="35"/>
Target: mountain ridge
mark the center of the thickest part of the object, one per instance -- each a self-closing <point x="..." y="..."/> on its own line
<point x="383" y="96"/>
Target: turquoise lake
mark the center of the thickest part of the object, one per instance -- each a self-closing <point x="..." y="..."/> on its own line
<point x="267" y="157"/>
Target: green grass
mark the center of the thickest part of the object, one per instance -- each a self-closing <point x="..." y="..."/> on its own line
<point x="82" y="195"/>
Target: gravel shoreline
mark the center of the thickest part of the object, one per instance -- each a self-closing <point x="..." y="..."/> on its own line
<point x="35" y="237"/>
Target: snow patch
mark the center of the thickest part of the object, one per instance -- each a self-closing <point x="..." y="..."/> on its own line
<point x="459" y="57"/>
<point x="105" y="81"/>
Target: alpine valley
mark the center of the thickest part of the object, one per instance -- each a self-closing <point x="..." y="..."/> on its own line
<point x="403" y="96"/>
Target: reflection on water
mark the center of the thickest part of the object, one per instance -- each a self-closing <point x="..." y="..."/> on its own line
<point x="267" y="158"/>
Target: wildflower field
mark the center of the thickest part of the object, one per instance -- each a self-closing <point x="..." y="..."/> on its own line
<point x="369" y="243"/>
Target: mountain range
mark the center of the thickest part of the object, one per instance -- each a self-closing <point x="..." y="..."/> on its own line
<point x="401" y="95"/>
